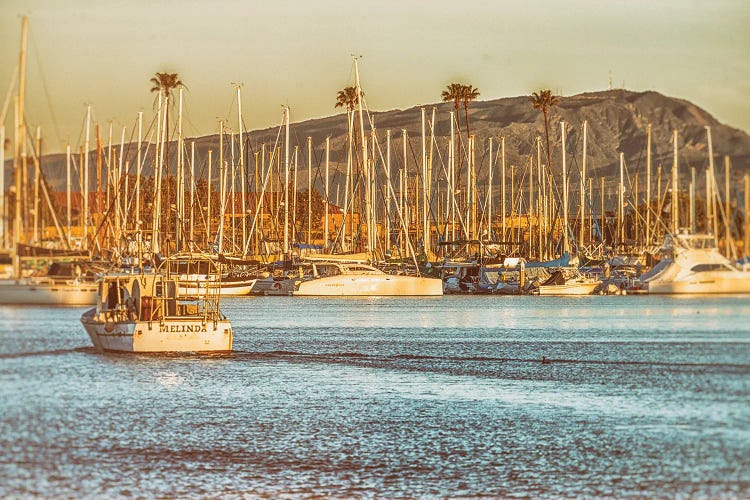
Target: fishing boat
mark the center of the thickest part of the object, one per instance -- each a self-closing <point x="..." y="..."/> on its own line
<point x="568" y="281"/>
<point x="334" y="278"/>
<point x="196" y="273"/>
<point x="147" y="313"/>
<point x="693" y="265"/>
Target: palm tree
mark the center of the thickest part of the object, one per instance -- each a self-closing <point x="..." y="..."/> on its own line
<point x="454" y="92"/>
<point x="543" y="101"/>
<point x="165" y="83"/>
<point x="468" y="94"/>
<point x="348" y="98"/>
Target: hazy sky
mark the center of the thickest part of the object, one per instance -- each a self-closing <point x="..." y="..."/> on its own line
<point x="299" y="53"/>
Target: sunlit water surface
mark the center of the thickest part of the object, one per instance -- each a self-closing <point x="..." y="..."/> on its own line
<point x="423" y="397"/>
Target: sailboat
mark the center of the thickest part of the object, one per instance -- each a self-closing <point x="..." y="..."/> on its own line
<point x="54" y="287"/>
<point x="695" y="266"/>
<point x="197" y="273"/>
<point x="148" y="313"/>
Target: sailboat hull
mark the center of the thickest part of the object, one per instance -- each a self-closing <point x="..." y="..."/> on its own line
<point x="52" y="294"/>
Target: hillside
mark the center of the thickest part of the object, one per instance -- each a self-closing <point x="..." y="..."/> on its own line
<point x="617" y="121"/>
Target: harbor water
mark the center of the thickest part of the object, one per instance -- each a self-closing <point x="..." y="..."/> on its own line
<point x="389" y="397"/>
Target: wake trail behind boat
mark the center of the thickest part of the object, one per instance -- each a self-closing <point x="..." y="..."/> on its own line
<point x="355" y="357"/>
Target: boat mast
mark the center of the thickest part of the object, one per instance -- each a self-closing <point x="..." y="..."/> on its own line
<point x="452" y="175"/>
<point x="192" y="191"/>
<point x="713" y="219"/>
<point x="621" y="202"/>
<point x="540" y="197"/>
<point x="727" y="218"/>
<point x="180" y="208"/>
<point x="222" y="187"/>
<point x="582" y="202"/>
<point x="425" y="236"/>
<point x="566" y="245"/>
<point x="490" y="167"/>
<point x="389" y="191"/>
<point x="360" y="96"/>
<point x="309" y="190"/>
<point x="286" y="181"/>
<point x="327" y="202"/>
<point x="209" y="188"/>
<point x="502" y="184"/>
<point x="138" y="176"/>
<point x="692" y="201"/>
<point x="295" y="234"/>
<point x="675" y="168"/>
<point x="242" y="167"/>
<point x="86" y="181"/>
<point x="648" y="185"/>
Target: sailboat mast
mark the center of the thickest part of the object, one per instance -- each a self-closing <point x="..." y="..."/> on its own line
<point x="325" y="223"/>
<point x="192" y="191"/>
<point x="692" y="201"/>
<point x="209" y="188"/>
<point x="502" y="184"/>
<point x="3" y="226"/>
<point x="364" y="143"/>
<point x="242" y="167"/>
<point x="37" y="180"/>
<point x="452" y="180"/>
<point x="648" y="185"/>
<point x="582" y="203"/>
<point x="727" y="215"/>
<point x="675" y="167"/>
<point x="86" y="180"/>
<point x="566" y="244"/>
<point x="490" y="168"/>
<point x="309" y="190"/>
<point x="621" y="202"/>
<point x="286" y="181"/>
<point x="20" y="139"/>
<point x="138" y="175"/>
<point x="222" y="187"/>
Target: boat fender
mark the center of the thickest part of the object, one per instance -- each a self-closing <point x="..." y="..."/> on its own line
<point x="277" y="286"/>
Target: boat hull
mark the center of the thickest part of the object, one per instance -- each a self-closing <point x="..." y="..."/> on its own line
<point x="370" y="286"/>
<point x="14" y="292"/>
<point x="224" y="288"/>
<point x="569" y="289"/>
<point x="704" y="283"/>
<point x="170" y="335"/>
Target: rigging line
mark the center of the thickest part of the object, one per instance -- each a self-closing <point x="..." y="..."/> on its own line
<point x="43" y="79"/>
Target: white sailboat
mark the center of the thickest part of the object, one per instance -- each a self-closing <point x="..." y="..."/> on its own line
<point x="64" y="289"/>
<point x="695" y="266"/>
<point x="197" y="273"/>
<point x="147" y="313"/>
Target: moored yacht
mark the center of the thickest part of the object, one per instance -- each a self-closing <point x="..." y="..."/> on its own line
<point x="356" y="279"/>
<point x="568" y="281"/>
<point x="694" y="266"/>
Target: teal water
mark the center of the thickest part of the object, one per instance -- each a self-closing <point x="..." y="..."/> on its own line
<point x="386" y="397"/>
